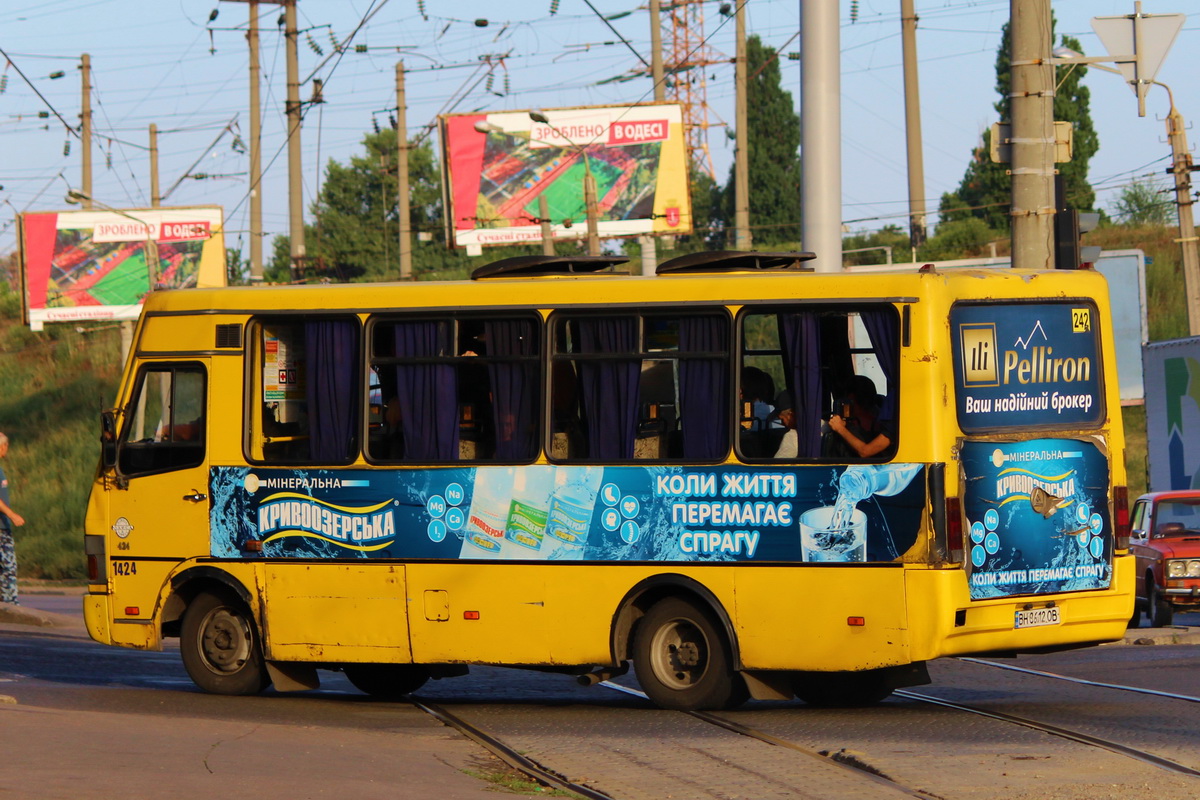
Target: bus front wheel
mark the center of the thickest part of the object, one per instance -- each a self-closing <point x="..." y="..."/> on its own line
<point x="220" y="646"/>
<point x="682" y="660"/>
<point x="386" y="681"/>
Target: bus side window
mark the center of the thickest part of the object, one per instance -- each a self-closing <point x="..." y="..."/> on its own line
<point x="165" y="424"/>
<point x="305" y="386"/>
<point x="645" y="387"/>
<point x="818" y="361"/>
<point x="460" y="389"/>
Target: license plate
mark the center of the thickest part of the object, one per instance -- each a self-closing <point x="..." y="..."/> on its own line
<point x="1033" y="617"/>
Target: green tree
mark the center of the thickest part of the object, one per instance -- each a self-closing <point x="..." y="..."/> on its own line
<point x="1144" y="202"/>
<point x="773" y="154"/>
<point x="986" y="189"/>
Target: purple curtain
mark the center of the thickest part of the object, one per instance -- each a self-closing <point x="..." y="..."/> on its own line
<point x="885" y="338"/>
<point x="704" y="388"/>
<point x="332" y="363"/>
<point x="428" y="392"/>
<point x="609" y="389"/>
<point x="514" y="386"/>
<point x="800" y="335"/>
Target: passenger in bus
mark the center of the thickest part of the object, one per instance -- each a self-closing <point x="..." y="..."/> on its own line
<point x="785" y="415"/>
<point x="757" y="390"/>
<point x="858" y="432"/>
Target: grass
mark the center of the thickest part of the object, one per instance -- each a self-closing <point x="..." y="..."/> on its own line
<point x="56" y="382"/>
<point x="507" y="780"/>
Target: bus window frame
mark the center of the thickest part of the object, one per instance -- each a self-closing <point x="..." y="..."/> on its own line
<point x="455" y="317"/>
<point x="641" y="313"/>
<point x="130" y="413"/>
<point x="846" y="308"/>
<point x="253" y="381"/>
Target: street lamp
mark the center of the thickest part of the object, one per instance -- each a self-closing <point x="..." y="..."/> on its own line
<point x="76" y="197"/>
<point x="589" y="183"/>
<point x="1181" y="167"/>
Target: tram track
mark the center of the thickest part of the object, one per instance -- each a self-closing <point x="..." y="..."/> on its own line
<point x="857" y="766"/>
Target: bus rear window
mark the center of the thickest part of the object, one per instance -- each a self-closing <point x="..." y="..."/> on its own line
<point x="1027" y="365"/>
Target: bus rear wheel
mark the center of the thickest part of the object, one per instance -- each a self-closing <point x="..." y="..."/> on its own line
<point x="386" y="681"/>
<point x="220" y="646"/>
<point x="682" y="659"/>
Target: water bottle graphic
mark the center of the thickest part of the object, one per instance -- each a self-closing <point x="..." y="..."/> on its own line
<point x="839" y="532"/>
<point x="483" y="536"/>
<point x="571" y="511"/>
<point x="528" y="511"/>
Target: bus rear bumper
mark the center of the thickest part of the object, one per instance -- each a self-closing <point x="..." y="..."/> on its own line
<point x="976" y="627"/>
<point x="97" y="617"/>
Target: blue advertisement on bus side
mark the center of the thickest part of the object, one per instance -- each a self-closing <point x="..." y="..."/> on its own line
<point x="1033" y="364"/>
<point x="828" y="514"/>
<point x="1037" y="517"/>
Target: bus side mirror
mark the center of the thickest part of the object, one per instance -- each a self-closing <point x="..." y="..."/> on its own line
<point x="108" y="438"/>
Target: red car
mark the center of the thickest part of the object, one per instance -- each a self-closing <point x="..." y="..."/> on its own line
<point x="1165" y="537"/>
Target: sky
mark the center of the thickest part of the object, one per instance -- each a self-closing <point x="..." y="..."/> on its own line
<point x="163" y="62"/>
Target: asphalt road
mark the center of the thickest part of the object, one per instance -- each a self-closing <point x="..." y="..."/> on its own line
<point x="94" y="721"/>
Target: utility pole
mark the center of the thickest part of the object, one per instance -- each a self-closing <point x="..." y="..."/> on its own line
<point x="295" y="165"/>
<point x="648" y="242"/>
<point x="1181" y="167"/>
<point x="256" y="232"/>
<point x="405" y="224"/>
<point x="155" y="197"/>
<point x="1032" y="136"/>
<point x="741" y="157"/>
<point x="821" y="134"/>
<point x="912" y="118"/>
<point x="544" y="220"/>
<point x="85" y="128"/>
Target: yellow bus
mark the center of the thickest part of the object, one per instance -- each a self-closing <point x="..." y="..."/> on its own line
<point x="746" y="478"/>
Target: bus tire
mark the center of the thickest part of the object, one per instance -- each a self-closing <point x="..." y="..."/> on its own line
<point x="682" y="659"/>
<point x="386" y="681"/>
<point x="1159" y="608"/>
<point x="220" y="646"/>
<point x="841" y="689"/>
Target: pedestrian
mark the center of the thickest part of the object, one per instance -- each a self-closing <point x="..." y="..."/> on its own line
<point x="8" y="518"/>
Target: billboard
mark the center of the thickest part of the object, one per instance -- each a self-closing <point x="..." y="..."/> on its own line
<point x="1173" y="413"/>
<point x="497" y="166"/>
<point x="98" y="265"/>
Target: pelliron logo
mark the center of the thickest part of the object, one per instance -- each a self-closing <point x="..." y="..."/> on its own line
<point x="979" y="354"/>
<point x="122" y="527"/>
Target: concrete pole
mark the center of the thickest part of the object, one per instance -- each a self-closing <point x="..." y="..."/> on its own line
<point x="648" y="242"/>
<point x="402" y="212"/>
<point x="821" y="135"/>
<point x="912" y="118"/>
<point x="589" y="201"/>
<point x="741" y="156"/>
<point x="295" y="165"/>
<point x="256" y="206"/>
<point x="656" y="60"/>
<point x="1032" y="136"/>
<point x="155" y="197"/>
<point x="1181" y="166"/>
<point x="547" y="231"/>
<point x="85" y="128"/>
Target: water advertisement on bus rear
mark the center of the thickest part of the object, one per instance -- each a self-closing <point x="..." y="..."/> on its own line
<point x="1037" y="517"/>
<point x="1027" y="365"/>
<point x="829" y="514"/>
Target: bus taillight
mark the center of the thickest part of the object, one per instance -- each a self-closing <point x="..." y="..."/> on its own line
<point x="954" y="531"/>
<point x="93" y="547"/>
<point x="1121" y="517"/>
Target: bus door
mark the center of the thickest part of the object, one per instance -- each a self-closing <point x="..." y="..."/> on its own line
<point x="158" y="506"/>
<point x="1034" y="458"/>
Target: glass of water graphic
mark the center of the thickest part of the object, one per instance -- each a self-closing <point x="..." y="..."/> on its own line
<point x="824" y="538"/>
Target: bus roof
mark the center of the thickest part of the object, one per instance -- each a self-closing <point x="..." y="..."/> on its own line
<point x="612" y="289"/>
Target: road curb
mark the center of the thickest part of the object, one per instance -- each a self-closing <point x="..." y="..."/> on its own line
<point x="1172" y="635"/>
